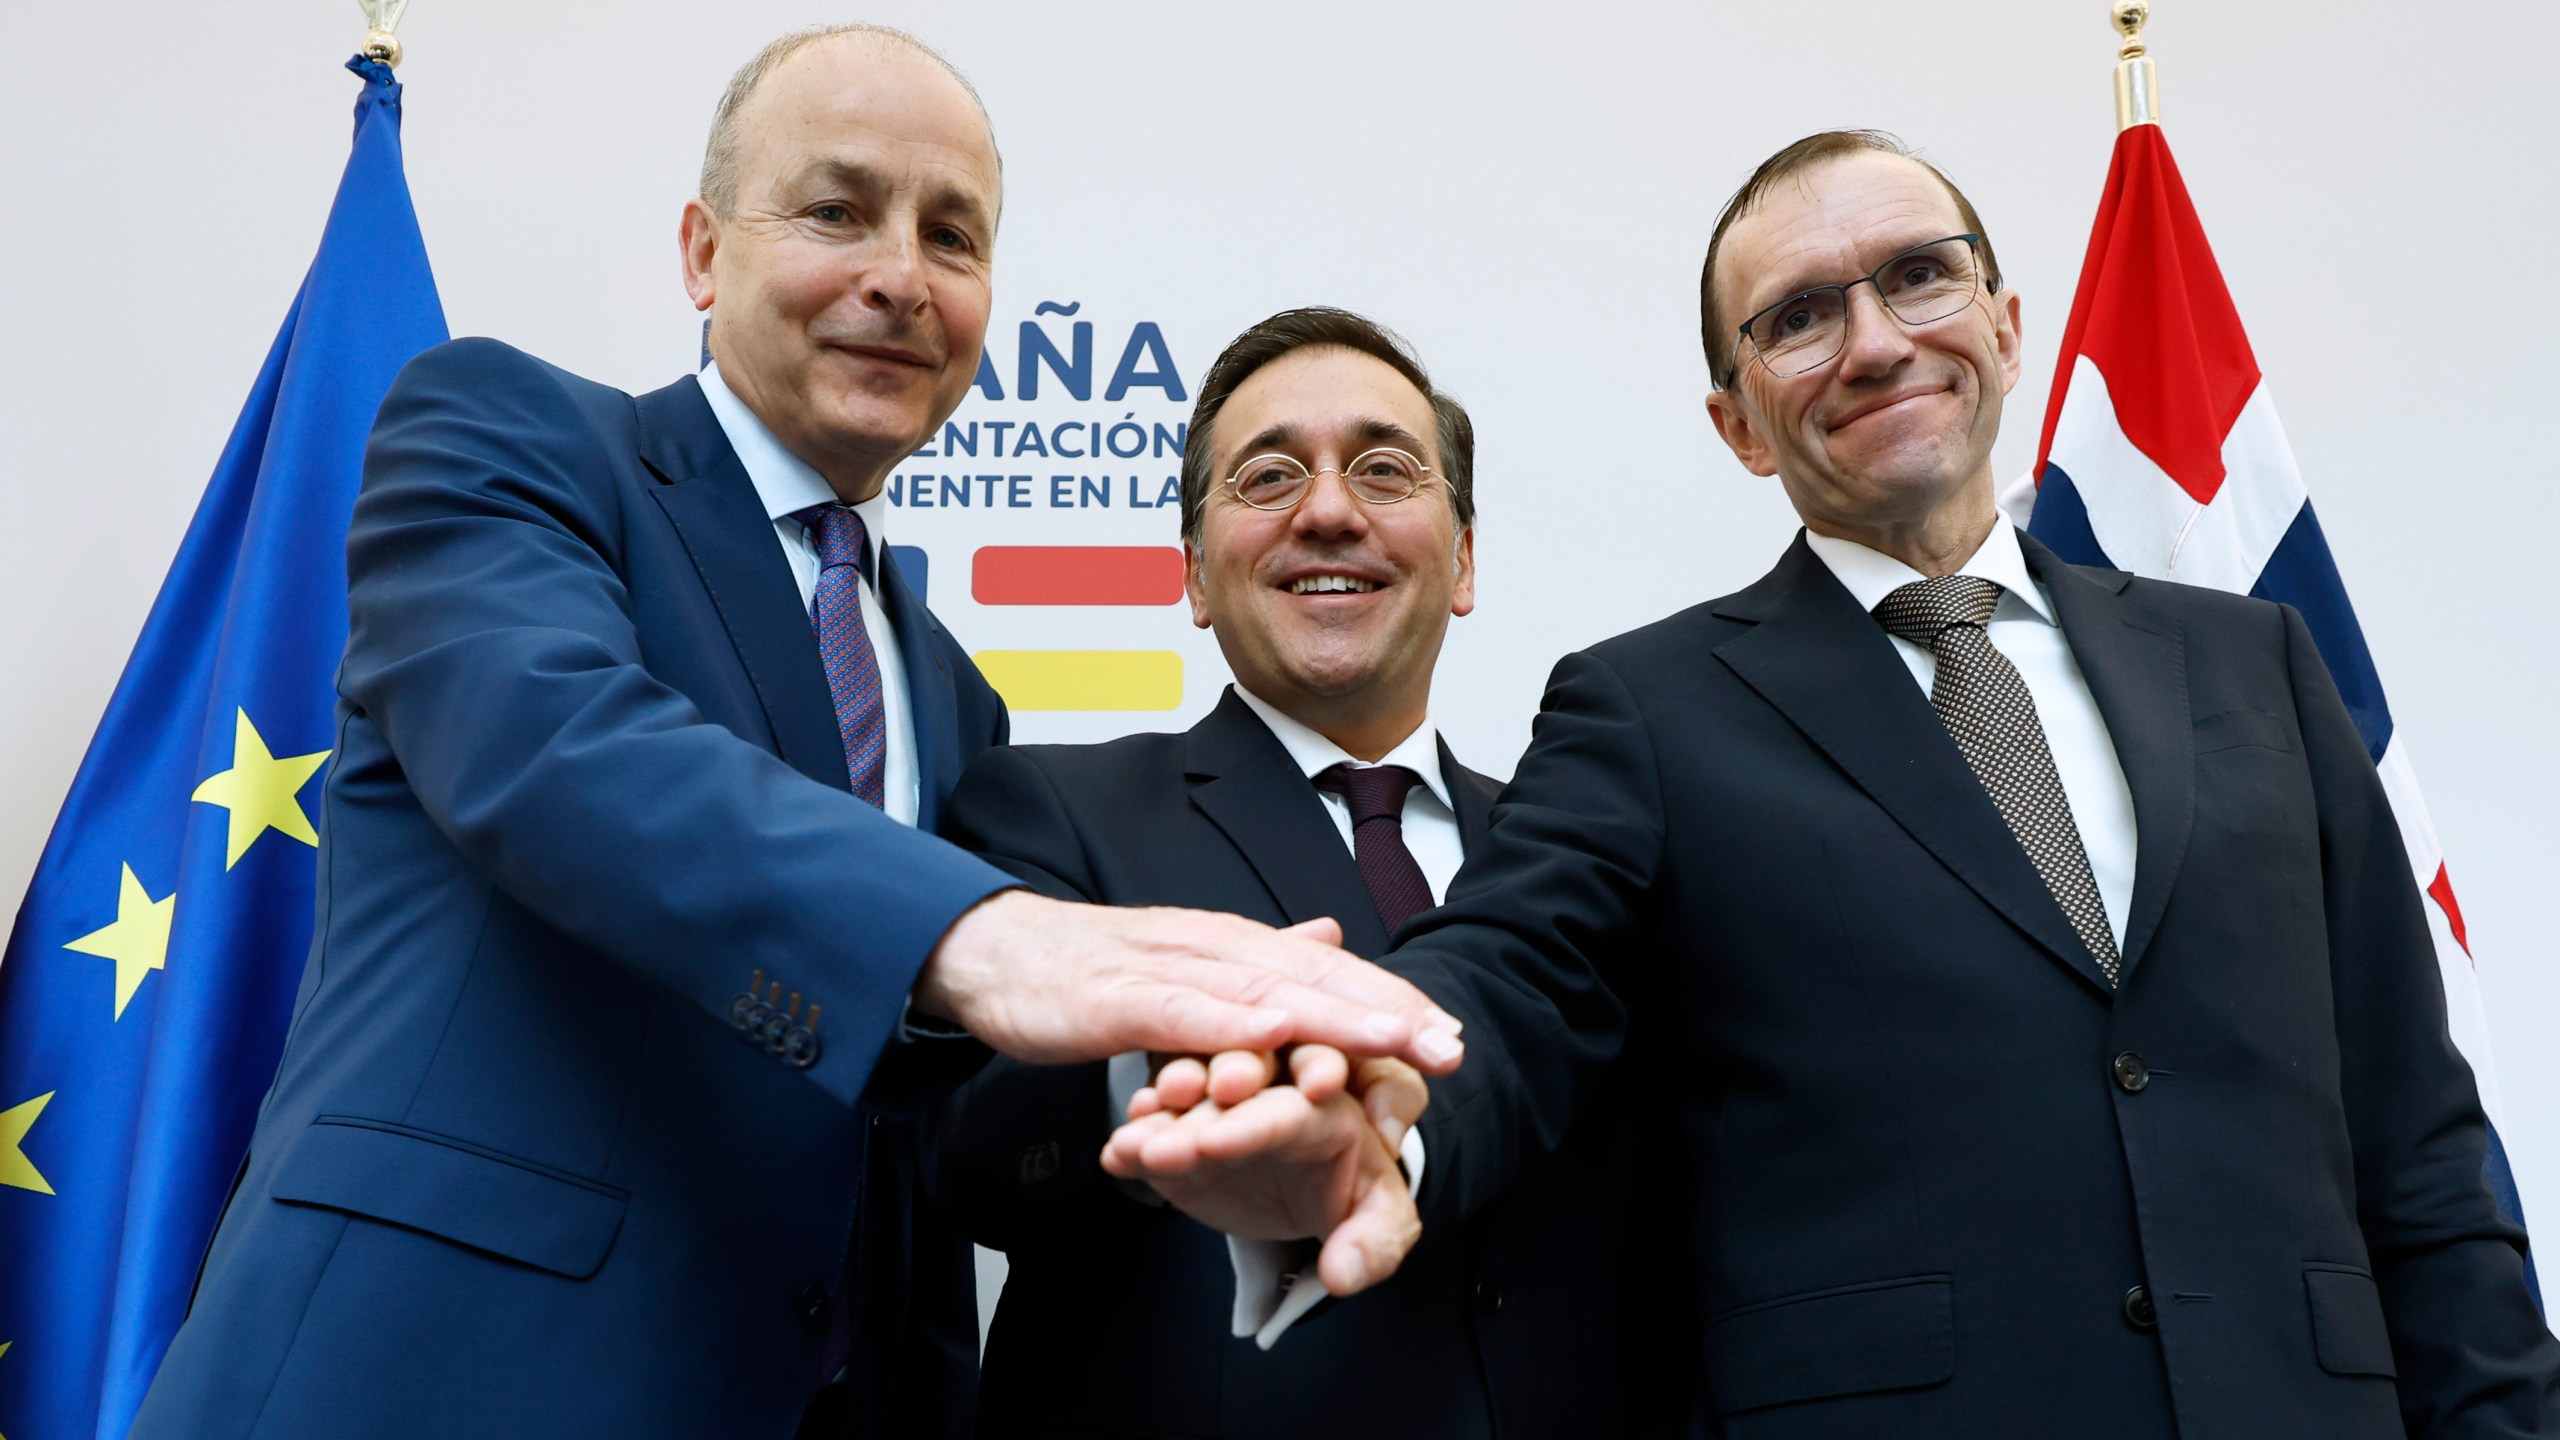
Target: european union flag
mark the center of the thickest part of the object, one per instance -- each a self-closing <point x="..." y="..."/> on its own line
<point x="151" y="973"/>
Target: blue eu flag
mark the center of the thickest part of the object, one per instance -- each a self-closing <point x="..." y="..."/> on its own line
<point x="151" y="973"/>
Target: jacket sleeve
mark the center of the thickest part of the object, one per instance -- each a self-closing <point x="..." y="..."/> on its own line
<point x="492" y="642"/>
<point x="1540" y="937"/>
<point x="2474" y="1357"/>
<point x="1014" y="1155"/>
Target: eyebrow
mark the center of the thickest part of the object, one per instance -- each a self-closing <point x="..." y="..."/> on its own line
<point x="941" y="197"/>
<point x="1798" y="283"/>
<point x="1284" y="434"/>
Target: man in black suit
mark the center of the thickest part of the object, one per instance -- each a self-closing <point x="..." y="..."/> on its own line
<point x="1328" y="523"/>
<point x="2028" y="955"/>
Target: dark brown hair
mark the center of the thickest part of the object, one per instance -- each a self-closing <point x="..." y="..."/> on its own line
<point x="1294" y="330"/>
<point x="1803" y="155"/>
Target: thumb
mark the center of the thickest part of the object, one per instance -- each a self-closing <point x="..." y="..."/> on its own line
<point x="1373" y="1239"/>
<point x="1324" y="930"/>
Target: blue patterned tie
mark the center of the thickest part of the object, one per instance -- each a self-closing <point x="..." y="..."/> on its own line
<point x="853" y="671"/>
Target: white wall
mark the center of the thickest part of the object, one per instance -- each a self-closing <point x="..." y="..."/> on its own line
<point x="1524" y="191"/>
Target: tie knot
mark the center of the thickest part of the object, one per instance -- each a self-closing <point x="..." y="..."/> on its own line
<point x="839" y="534"/>
<point x="1920" y="610"/>
<point x="1370" y="790"/>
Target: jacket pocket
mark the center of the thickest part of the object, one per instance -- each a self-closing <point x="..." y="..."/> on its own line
<point x="1884" y="1335"/>
<point x="2347" y="1331"/>
<point x="454" y="1190"/>
<point x="2233" y="729"/>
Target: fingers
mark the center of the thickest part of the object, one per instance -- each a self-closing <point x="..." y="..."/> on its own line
<point x="1181" y="1082"/>
<point x="1393" y="1096"/>
<point x="1372" y="1241"/>
<point x="1324" y="930"/>
<point x="1323" y="1017"/>
<point x="1123" y="1154"/>
<point x="1277" y="1124"/>
<point x="1319" y="1071"/>
<point x="1238" y="1076"/>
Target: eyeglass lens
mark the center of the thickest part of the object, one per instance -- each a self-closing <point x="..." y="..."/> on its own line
<point x="1803" y="332"/>
<point x="1276" y="482"/>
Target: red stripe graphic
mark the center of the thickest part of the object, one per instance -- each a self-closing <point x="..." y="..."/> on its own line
<point x="1076" y="575"/>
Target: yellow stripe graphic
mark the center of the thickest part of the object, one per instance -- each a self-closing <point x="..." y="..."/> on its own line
<point x="1085" y="679"/>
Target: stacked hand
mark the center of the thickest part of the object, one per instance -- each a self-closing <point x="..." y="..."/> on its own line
<point x="1315" y="1157"/>
<point x="1054" y="983"/>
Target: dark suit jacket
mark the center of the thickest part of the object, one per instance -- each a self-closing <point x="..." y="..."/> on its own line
<point x="1115" y="1314"/>
<point x="1921" y="1164"/>
<point x="519" y="1174"/>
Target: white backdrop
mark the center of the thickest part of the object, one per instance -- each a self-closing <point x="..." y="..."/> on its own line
<point x="1523" y="190"/>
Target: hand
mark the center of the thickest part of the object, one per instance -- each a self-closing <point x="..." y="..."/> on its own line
<point x="1390" y="1092"/>
<point x="1053" y="983"/>
<point x="1284" y="1163"/>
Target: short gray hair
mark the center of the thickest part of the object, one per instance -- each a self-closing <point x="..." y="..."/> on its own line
<point x="720" y="159"/>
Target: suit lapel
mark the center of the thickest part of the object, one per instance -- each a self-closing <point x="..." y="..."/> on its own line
<point x="717" y="514"/>
<point x="1474" y="794"/>
<point x="2135" y="660"/>
<point x="1830" y="669"/>
<point x="1245" y="782"/>
<point x="933" y="701"/>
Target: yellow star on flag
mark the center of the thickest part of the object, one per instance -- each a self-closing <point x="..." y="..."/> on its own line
<point x="15" y="1168"/>
<point x="138" y="941"/>
<point x="258" y="790"/>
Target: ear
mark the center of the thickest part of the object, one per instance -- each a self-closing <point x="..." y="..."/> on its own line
<point x="1194" y="585"/>
<point x="2008" y="336"/>
<point x="1740" y="432"/>
<point x="1462" y="596"/>
<point x="698" y="238"/>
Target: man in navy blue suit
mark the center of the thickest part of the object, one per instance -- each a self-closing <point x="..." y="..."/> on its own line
<point x="2023" y="955"/>
<point x="636" y="953"/>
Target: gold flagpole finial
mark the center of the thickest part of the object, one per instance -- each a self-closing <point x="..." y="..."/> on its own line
<point x="381" y="18"/>
<point x="2137" y="84"/>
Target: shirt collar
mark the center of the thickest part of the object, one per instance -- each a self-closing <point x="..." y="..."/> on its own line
<point x="784" y="482"/>
<point x="1418" y="752"/>
<point x="1871" y="575"/>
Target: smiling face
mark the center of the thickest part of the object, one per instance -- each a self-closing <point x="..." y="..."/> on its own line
<point x="850" y="289"/>
<point x="1894" y="435"/>
<point x="1332" y="610"/>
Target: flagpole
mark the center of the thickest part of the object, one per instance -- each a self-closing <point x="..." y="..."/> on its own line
<point x="381" y="18"/>
<point x="2137" y="84"/>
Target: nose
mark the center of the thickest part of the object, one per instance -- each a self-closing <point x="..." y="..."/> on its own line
<point x="894" y="275"/>
<point x="1876" y="340"/>
<point x="1329" y="510"/>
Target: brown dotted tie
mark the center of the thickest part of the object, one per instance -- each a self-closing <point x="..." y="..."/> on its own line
<point x="1376" y="794"/>
<point x="1985" y="705"/>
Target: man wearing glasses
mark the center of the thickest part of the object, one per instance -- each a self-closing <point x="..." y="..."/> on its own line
<point x="2027" y="954"/>
<point x="1328" y="521"/>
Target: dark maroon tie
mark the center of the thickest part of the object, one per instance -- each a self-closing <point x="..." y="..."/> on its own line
<point x="1376" y="794"/>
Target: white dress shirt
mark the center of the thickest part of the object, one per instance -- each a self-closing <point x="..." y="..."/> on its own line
<point x="1268" y="1299"/>
<point x="785" y="483"/>
<point x="2023" y="628"/>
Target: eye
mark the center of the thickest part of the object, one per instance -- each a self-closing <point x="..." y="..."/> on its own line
<point x="1268" y="478"/>
<point x="1794" y="320"/>
<point x="949" y="237"/>
<point x="831" y="212"/>
<point x="1922" y="272"/>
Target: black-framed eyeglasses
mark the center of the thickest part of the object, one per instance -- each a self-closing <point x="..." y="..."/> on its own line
<point x="1928" y="282"/>
<point x="1275" y="482"/>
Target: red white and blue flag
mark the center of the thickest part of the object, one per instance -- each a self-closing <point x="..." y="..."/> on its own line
<point x="2162" y="455"/>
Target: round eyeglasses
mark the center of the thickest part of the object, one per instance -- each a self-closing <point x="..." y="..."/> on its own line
<point x="1926" y="282"/>
<point x="1275" y="482"/>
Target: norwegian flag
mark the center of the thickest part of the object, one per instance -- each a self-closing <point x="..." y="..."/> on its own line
<point x="2162" y="455"/>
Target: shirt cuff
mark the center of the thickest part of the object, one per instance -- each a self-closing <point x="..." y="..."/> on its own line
<point x="1276" y="1280"/>
<point x="913" y="1027"/>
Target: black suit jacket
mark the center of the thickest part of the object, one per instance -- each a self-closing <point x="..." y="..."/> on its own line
<point x="1115" y="1314"/>
<point x="1925" y="1153"/>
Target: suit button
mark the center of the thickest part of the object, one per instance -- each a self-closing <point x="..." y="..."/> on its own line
<point x="813" y="1303"/>
<point x="2132" y="1076"/>
<point x="1488" y="1298"/>
<point x="2138" y="1311"/>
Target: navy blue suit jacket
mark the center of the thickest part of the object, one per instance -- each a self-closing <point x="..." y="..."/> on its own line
<point x="519" y="1173"/>
<point x="1115" y="1314"/>
<point x="1924" y="1152"/>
